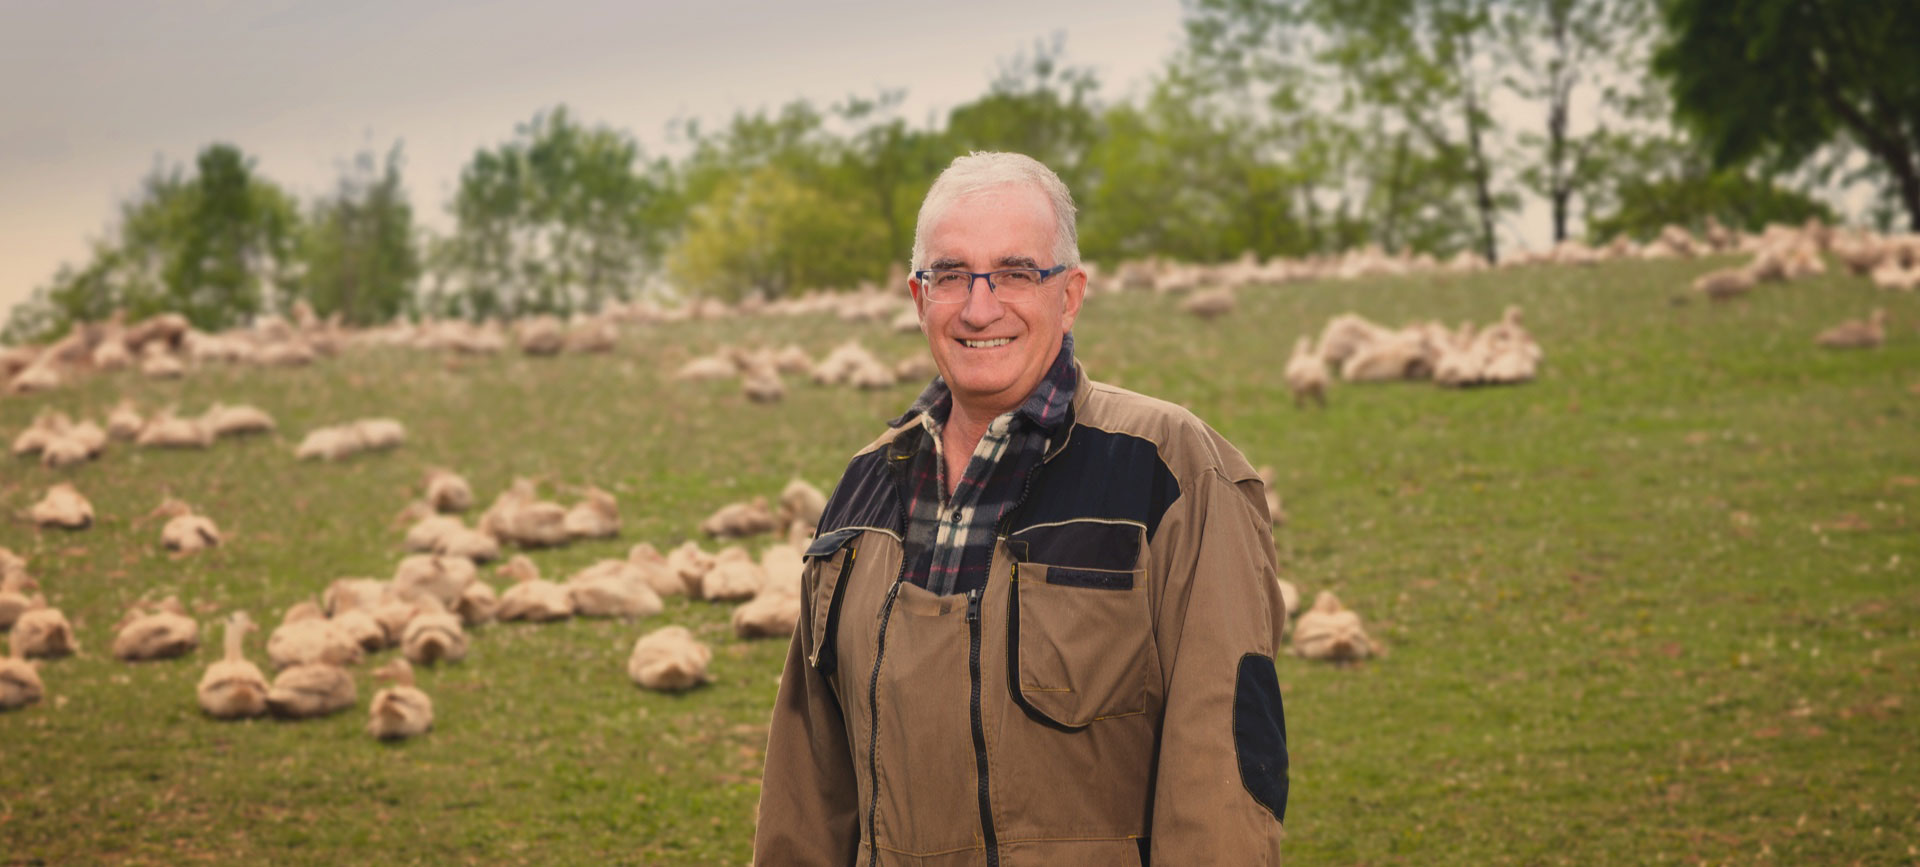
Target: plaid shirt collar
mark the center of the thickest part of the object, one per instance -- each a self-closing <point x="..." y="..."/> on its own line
<point x="1044" y="408"/>
<point x="948" y="543"/>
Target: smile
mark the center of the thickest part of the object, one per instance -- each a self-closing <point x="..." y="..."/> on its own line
<point x="986" y="344"/>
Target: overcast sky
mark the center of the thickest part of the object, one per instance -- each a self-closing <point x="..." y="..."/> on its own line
<point x="93" y="93"/>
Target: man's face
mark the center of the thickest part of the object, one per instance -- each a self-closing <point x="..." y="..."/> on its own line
<point x="993" y="352"/>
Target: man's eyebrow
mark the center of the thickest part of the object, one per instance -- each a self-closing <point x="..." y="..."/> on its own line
<point x="948" y="262"/>
<point x="1018" y="262"/>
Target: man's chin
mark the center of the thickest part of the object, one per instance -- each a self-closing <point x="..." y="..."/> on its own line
<point x="976" y="389"/>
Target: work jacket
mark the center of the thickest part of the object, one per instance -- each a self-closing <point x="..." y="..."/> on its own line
<point x="1108" y="697"/>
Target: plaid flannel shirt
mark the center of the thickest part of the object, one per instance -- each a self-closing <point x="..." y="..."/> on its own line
<point x="949" y="544"/>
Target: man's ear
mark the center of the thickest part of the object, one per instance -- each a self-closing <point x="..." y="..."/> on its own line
<point x="919" y="302"/>
<point x="1076" y="293"/>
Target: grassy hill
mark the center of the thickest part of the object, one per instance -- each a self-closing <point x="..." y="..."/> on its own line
<point x="1659" y="605"/>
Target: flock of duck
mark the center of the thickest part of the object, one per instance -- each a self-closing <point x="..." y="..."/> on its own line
<point x="437" y="596"/>
<point x="431" y="606"/>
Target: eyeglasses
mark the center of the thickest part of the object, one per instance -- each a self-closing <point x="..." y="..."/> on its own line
<point x="952" y="286"/>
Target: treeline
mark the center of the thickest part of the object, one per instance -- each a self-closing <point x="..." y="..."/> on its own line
<point x="1281" y="128"/>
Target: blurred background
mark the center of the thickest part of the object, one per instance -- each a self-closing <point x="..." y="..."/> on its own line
<point x="223" y="159"/>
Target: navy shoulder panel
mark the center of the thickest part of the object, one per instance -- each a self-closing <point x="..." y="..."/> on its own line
<point x="865" y="497"/>
<point x="1101" y="474"/>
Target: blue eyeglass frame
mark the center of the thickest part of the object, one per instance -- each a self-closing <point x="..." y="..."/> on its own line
<point x="1045" y="275"/>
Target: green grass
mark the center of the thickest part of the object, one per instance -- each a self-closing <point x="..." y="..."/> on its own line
<point x="1657" y="606"/>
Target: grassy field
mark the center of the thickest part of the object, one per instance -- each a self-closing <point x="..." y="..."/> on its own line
<point x="1659" y="606"/>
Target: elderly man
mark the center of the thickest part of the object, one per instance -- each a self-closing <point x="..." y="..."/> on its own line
<point x="1040" y="615"/>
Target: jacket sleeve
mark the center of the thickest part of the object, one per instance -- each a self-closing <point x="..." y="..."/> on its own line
<point x="809" y="813"/>
<point x="1221" y="781"/>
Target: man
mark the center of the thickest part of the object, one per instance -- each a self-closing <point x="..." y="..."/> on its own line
<point x="1040" y="615"/>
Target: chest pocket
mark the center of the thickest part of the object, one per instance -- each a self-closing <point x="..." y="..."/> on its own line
<point x="1079" y="627"/>
<point x="829" y="561"/>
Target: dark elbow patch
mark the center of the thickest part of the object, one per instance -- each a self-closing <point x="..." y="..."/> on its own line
<point x="1260" y="733"/>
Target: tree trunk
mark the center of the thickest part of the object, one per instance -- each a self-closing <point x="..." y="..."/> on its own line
<point x="1482" y="191"/>
<point x="1888" y="142"/>
<point x="1395" y="184"/>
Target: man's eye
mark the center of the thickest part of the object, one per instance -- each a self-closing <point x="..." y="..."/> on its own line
<point x="1016" y="278"/>
<point x="949" y="278"/>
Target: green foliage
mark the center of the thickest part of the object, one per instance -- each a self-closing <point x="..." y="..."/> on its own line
<point x="888" y="165"/>
<point x="1036" y="105"/>
<point x="560" y="218"/>
<point x="1667" y="182"/>
<point x="218" y="246"/>
<point x="1777" y="80"/>
<point x="766" y="232"/>
<point x="1397" y="88"/>
<point x="1174" y="178"/>
<point x="236" y="246"/>
<point x="359" y="249"/>
<point x="1729" y="196"/>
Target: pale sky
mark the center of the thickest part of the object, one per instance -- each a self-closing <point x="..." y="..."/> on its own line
<point x="92" y="93"/>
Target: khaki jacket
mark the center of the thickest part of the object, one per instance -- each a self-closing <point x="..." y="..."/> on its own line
<point x="1110" y="700"/>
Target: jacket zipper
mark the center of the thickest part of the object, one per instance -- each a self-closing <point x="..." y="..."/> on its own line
<point x="989" y="837"/>
<point x="873" y="732"/>
<point x="979" y="728"/>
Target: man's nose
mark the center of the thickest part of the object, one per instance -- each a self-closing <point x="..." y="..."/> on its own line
<point x="983" y="308"/>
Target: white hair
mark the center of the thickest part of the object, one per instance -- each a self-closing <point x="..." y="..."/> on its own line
<point x="981" y="171"/>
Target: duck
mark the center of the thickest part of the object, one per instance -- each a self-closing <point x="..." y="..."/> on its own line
<point x="19" y="679"/>
<point x="595" y="517"/>
<point x="162" y="632"/>
<point x="735" y="577"/>
<point x="433" y="635"/>
<point x="43" y="631"/>
<point x="1856" y="333"/>
<point x="669" y="658"/>
<point x="443" y="578"/>
<point x="185" y="532"/>
<point x="14" y="600"/>
<point x="1329" y="631"/>
<point x="401" y="710"/>
<point x="311" y="689"/>
<point x="448" y="491"/>
<point x="612" y="588"/>
<point x="305" y="635"/>
<point x="63" y="507"/>
<point x="234" y="688"/>
<point x="532" y="597"/>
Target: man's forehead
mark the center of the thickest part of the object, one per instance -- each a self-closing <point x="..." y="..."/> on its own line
<point x="1008" y="227"/>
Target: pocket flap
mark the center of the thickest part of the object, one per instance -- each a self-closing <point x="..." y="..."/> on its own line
<point x="825" y="545"/>
<point x="1112" y="546"/>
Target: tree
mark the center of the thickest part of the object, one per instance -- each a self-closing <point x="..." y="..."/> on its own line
<point x="1553" y="49"/>
<point x="218" y="246"/>
<point x="237" y="246"/>
<point x="1670" y="181"/>
<point x="1036" y="105"/>
<point x="1174" y="177"/>
<point x="359" y="249"/>
<point x="891" y="165"/>
<point x="557" y="219"/>
<point x="767" y="232"/>
<point x="1776" y="80"/>
<point x="1412" y="73"/>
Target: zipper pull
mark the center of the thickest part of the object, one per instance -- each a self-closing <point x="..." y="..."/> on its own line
<point x="973" y="605"/>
